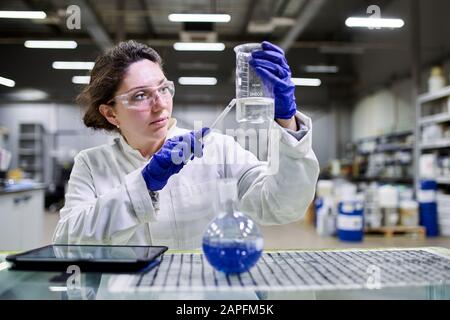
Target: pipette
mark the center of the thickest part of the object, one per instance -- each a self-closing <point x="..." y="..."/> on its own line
<point x="218" y="119"/>
<point x="223" y="114"/>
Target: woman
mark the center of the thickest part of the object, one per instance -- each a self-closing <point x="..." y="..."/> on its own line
<point x="133" y="191"/>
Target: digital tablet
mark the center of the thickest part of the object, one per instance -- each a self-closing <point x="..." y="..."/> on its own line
<point x="88" y="258"/>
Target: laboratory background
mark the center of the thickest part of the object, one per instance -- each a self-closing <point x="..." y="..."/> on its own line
<point x="374" y="76"/>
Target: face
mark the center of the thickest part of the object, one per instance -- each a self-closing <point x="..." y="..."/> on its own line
<point x="145" y="125"/>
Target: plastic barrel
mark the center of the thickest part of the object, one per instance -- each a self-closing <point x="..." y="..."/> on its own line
<point x="350" y="222"/>
<point x="428" y="207"/>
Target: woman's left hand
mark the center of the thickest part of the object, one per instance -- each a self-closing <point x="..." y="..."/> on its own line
<point x="271" y="65"/>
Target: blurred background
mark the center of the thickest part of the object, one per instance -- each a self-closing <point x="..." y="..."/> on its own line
<point x="372" y="75"/>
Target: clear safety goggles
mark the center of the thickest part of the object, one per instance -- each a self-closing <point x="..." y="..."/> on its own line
<point x="146" y="97"/>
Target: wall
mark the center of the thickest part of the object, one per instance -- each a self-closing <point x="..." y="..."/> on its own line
<point x="385" y="111"/>
<point x="54" y="118"/>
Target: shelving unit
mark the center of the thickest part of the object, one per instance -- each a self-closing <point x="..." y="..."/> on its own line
<point x="31" y="150"/>
<point x="433" y="132"/>
<point x="385" y="158"/>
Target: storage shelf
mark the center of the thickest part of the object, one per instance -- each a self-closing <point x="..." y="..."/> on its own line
<point x="30" y="136"/>
<point x="31" y="149"/>
<point x="442" y="117"/>
<point x="444" y="143"/>
<point x="384" y="179"/>
<point x="428" y="97"/>
<point x="386" y="135"/>
<point x="393" y="147"/>
<point x="29" y="152"/>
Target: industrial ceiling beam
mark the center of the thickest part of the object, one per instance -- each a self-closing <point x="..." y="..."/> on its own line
<point x="120" y="22"/>
<point x="148" y="19"/>
<point x="248" y="17"/>
<point x="306" y="15"/>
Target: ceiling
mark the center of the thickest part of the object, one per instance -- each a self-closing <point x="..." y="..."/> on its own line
<point x="105" y="22"/>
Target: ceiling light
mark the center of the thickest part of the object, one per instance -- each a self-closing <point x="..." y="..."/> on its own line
<point x="353" y="22"/>
<point x="57" y="289"/>
<point x="73" y="65"/>
<point x="197" y="81"/>
<point x="307" y="82"/>
<point x="199" y="46"/>
<point x="23" y="14"/>
<point x="188" y="17"/>
<point x="81" y="79"/>
<point x="7" y="82"/>
<point x="28" y="95"/>
<point x="321" y="69"/>
<point x="50" y="44"/>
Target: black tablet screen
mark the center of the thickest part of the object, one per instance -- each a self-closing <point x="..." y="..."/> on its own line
<point x="97" y="253"/>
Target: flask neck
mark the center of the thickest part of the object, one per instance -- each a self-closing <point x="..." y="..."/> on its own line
<point x="228" y="208"/>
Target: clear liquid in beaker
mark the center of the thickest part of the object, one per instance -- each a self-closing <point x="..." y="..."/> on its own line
<point x="254" y="110"/>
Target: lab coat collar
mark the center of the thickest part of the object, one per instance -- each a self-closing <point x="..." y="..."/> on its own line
<point x="134" y="153"/>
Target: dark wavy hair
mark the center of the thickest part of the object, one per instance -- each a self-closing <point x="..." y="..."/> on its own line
<point x="106" y="76"/>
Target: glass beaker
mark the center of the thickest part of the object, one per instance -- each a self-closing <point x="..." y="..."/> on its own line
<point x="232" y="242"/>
<point x="254" y="97"/>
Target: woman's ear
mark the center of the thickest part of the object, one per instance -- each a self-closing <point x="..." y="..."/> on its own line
<point x="109" y="113"/>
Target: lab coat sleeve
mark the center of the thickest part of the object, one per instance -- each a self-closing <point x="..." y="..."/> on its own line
<point x="111" y="218"/>
<point x="281" y="194"/>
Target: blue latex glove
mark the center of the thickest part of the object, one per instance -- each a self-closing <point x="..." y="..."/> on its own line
<point x="271" y="65"/>
<point x="171" y="158"/>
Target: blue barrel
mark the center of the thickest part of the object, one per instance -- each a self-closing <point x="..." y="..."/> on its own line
<point x="428" y="207"/>
<point x="350" y="222"/>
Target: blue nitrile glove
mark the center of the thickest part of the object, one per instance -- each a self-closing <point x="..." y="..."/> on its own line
<point x="172" y="156"/>
<point x="271" y="65"/>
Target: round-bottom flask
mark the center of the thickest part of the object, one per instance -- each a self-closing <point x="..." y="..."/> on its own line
<point x="232" y="242"/>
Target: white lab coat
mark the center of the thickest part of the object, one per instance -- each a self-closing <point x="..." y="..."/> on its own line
<point x="107" y="201"/>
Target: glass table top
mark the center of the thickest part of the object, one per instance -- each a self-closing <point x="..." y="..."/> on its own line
<point x="73" y="285"/>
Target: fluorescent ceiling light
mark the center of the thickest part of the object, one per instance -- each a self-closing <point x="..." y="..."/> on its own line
<point x="57" y="289"/>
<point x="7" y="82"/>
<point x="199" y="46"/>
<point x="307" y="82"/>
<point x="23" y="14"/>
<point x="189" y="17"/>
<point x="353" y="22"/>
<point x="321" y="69"/>
<point x="81" y="79"/>
<point x="197" y="81"/>
<point x="28" y="95"/>
<point x="73" y="65"/>
<point x="50" y="44"/>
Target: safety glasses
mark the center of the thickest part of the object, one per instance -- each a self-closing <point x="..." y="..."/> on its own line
<point x="145" y="97"/>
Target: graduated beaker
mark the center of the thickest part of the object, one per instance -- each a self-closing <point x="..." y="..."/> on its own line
<point x="254" y="97"/>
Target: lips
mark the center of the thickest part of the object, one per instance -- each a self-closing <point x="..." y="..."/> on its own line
<point x="159" y="120"/>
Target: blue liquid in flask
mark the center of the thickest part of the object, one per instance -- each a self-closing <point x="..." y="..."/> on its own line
<point x="232" y="243"/>
<point x="232" y="257"/>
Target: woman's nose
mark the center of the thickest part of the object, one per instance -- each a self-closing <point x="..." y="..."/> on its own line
<point x="158" y="102"/>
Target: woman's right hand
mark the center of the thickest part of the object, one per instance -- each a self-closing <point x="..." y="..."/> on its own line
<point x="173" y="155"/>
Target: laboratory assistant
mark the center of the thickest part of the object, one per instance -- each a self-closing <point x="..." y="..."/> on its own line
<point x="131" y="191"/>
